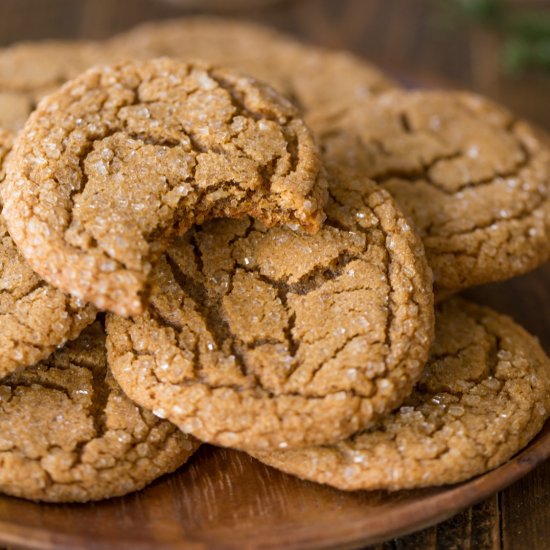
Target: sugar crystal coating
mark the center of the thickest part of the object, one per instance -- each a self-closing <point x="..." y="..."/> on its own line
<point x="473" y="178"/>
<point x="31" y="70"/>
<point x="69" y="434"/>
<point x="118" y="160"/>
<point x="35" y="318"/>
<point x="484" y="394"/>
<point x="263" y="338"/>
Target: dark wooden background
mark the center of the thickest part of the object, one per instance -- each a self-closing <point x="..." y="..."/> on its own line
<point x="415" y="42"/>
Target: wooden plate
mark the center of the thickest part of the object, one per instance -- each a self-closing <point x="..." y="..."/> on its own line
<point x="225" y="499"/>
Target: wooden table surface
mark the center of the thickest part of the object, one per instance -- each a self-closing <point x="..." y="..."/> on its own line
<point x="406" y="37"/>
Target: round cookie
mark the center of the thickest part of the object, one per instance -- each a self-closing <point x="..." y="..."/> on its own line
<point x="485" y="393"/>
<point x="314" y="78"/>
<point x="31" y="70"/>
<point x="70" y="435"/>
<point x="259" y="339"/>
<point x="118" y="160"/>
<point x="474" y="179"/>
<point x="35" y="318"/>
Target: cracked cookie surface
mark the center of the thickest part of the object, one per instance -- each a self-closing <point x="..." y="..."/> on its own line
<point x="314" y="78"/>
<point x="69" y="434"/>
<point x="261" y="338"/>
<point x="483" y="396"/>
<point x="31" y="70"/>
<point x="35" y="318"/>
<point x="120" y="159"/>
<point x="474" y="179"/>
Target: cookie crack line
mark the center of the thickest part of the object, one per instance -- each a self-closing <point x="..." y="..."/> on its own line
<point x="37" y="286"/>
<point x="440" y="436"/>
<point x="240" y="389"/>
<point x="48" y="385"/>
<point x="99" y="401"/>
<point x="216" y="325"/>
<point x="311" y="281"/>
<point x="520" y="216"/>
<point x="312" y="395"/>
<point x="423" y="173"/>
<point x="244" y="150"/>
<point x="413" y="177"/>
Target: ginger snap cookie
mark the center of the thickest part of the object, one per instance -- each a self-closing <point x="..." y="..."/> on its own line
<point x="35" y="318"/>
<point x="31" y="70"/>
<point x="69" y="434"/>
<point x="483" y="396"/>
<point x="313" y="77"/>
<point x="120" y="159"/>
<point x="261" y="338"/>
<point x="473" y="178"/>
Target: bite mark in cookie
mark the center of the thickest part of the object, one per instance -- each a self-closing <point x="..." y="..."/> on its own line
<point x="262" y="338"/>
<point x="120" y="159"/>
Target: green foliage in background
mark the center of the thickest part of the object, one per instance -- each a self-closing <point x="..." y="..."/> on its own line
<point x="525" y="32"/>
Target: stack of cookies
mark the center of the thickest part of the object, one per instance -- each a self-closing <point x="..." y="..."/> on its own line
<point x="192" y="255"/>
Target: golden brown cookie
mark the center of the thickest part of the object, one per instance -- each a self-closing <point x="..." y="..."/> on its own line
<point x="70" y="435"/>
<point x="484" y="395"/>
<point x="121" y="158"/>
<point x="35" y="318"/>
<point x="6" y="143"/>
<point x="313" y="77"/>
<point x="31" y="70"/>
<point x="474" y="179"/>
<point x="258" y="338"/>
<point x="15" y="108"/>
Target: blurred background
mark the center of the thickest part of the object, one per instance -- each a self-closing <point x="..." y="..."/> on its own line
<point x="498" y="47"/>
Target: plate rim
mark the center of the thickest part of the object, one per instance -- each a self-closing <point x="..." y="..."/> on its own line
<point x="434" y="509"/>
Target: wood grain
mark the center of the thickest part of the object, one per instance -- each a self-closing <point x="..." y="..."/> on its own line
<point x="226" y="499"/>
